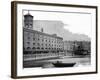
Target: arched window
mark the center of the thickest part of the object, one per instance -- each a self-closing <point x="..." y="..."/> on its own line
<point x="28" y="48"/>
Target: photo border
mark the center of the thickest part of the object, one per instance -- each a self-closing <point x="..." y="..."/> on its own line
<point x="14" y="37"/>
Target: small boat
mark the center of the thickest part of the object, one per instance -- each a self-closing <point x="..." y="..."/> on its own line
<point x="60" y="64"/>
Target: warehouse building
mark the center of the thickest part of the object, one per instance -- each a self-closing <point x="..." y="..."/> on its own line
<point x="39" y="43"/>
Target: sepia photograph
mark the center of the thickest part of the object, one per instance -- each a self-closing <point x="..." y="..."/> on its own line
<point x="53" y="39"/>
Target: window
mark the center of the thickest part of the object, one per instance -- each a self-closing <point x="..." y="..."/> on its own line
<point x="42" y="44"/>
<point x="33" y="38"/>
<point x="38" y="47"/>
<point x="31" y="25"/>
<point x="42" y="48"/>
<point x="33" y="43"/>
<point x="28" y="48"/>
<point x="28" y="42"/>
<point x="38" y="39"/>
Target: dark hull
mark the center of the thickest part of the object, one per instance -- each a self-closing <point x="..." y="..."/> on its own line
<point x="63" y="64"/>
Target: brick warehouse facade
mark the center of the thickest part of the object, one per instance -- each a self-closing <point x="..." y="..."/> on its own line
<point x="39" y="43"/>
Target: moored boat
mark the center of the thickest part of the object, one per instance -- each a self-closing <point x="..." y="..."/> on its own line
<point x="61" y="64"/>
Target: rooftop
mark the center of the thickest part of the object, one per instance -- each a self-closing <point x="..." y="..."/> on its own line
<point x="38" y="32"/>
<point x="27" y="15"/>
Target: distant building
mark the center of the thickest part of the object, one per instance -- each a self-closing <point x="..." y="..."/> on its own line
<point x="38" y="42"/>
<point x="70" y="47"/>
<point x="87" y="46"/>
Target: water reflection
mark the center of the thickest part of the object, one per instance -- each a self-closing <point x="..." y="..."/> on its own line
<point x="65" y="62"/>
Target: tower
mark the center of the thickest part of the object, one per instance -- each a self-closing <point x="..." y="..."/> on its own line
<point x="28" y="21"/>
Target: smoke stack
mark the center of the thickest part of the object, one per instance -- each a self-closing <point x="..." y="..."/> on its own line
<point x="41" y="29"/>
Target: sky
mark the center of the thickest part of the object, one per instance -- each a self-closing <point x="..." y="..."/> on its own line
<point x="75" y="23"/>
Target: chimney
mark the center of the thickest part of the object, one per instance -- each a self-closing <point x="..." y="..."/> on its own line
<point x="41" y="29"/>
